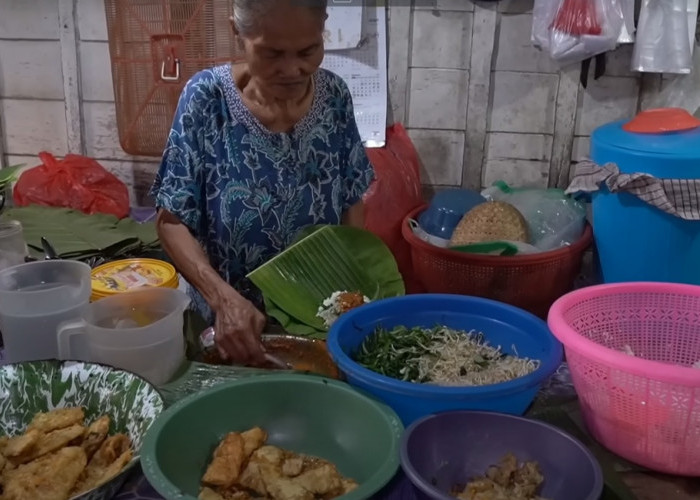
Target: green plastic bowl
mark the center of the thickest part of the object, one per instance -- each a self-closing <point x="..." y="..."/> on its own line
<point x="302" y="413"/>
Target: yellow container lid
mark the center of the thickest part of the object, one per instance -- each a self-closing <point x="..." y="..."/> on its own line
<point x="128" y="274"/>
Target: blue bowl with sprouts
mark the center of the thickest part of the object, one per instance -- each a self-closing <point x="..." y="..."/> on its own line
<point x="426" y="354"/>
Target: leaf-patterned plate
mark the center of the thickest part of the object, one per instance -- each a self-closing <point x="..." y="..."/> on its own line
<point x="39" y="386"/>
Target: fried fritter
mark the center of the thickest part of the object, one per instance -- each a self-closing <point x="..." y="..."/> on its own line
<point x="59" y="418"/>
<point x="52" y="477"/>
<point x="113" y="455"/>
<point x="269" y="472"/>
<point x="228" y="462"/>
<point x="95" y="435"/>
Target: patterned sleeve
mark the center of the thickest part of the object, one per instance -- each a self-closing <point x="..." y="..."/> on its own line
<point x="179" y="183"/>
<point x="358" y="174"/>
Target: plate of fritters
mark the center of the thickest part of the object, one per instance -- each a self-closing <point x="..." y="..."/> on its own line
<point x="70" y="430"/>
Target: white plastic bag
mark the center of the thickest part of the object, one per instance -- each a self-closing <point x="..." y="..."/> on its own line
<point x="572" y="31"/>
<point x="683" y="91"/>
<point x="663" y="36"/>
<point x="554" y="219"/>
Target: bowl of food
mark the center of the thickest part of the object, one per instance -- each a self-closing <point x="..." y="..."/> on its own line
<point x="481" y="455"/>
<point x="423" y="354"/>
<point x="283" y="435"/>
<point x="71" y="430"/>
<point x="288" y="352"/>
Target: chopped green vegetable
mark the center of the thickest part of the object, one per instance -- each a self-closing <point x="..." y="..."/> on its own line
<point x="439" y="355"/>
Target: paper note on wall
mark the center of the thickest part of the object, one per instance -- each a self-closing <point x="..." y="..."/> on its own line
<point x="364" y="69"/>
<point x="343" y="27"/>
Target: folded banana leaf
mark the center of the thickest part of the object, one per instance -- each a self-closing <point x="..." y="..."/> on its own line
<point x="326" y="259"/>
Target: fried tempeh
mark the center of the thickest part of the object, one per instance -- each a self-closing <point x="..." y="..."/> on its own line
<point x="20" y="446"/>
<point x="111" y="457"/>
<point x="209" y="494"/>
<point x="253" y="439"/>
<point x="228" y="461"/>
<point x="322" y="480"/>
<point x="93" y="477"/>
<point x="95" y="435"/>
<point x="59" y="418"/>
<point x="51" y="442"/>
<point x="51" y="477"/>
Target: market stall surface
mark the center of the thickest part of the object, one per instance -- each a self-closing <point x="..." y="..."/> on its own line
<point x="557" y="403"/>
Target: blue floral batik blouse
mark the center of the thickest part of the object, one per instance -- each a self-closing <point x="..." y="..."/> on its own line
<point x="245" y="192"/>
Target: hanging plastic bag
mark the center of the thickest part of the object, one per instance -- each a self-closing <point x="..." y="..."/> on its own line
<point x="571" y="31"/>
<point x="664" y="38"/>
<point x="395" y="191"/>
<point x="628" y="26"/>
<point x="683" y="91"/>
<point x="75" y="182"/>
<point x="554" y="219"/>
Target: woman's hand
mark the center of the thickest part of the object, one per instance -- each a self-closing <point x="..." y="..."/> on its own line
<point x="238" y="328"/>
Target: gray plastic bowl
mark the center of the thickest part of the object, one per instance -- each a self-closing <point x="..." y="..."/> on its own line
<point x="448" y="449"/>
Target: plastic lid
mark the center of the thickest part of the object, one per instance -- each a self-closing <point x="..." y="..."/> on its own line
<point x="125" y="275"/>
<point x="670" y="131"/>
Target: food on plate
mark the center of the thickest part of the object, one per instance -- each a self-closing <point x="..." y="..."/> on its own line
<point x="338" y="304"/>
<point x="245" y="467"/>
<point x="509" y="480"/>
<point x="440" y="356"/>
<point x="59" y="456"/>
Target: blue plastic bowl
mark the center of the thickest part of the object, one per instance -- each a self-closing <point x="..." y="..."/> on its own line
<point x="442" y="451"/>
<point x="500" y="323"/>
<point x="446" y="209"/>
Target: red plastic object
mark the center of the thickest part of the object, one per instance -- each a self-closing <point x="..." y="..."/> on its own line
<point x="531" y="282"/>
<point x="75" y="182"/>
<point x="155" y="47"/>
<point x="577" y="18"/>
<point x="658" y="121"/>
<point x="395" y="191"/>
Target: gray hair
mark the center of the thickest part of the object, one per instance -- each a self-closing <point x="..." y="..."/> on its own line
<point x="248" y="13"/>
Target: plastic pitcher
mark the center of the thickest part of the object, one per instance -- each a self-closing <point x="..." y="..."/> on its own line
<point x="34" y="299"/>
<point x="140" y="331"/>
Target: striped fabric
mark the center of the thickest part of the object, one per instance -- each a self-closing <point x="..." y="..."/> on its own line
<point x="679" y="197"/>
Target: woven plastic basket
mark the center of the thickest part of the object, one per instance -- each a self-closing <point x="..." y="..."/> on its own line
<point x="531" y="282"/>
<point x="634" y="354"/>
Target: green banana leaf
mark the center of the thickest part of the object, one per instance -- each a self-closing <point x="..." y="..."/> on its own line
<point x="9" y="174"/>
<point x="366" y="251"/>
<point x="76" y="235"/>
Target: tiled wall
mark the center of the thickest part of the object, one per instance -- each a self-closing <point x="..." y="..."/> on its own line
<point x="483" y="104"/>
<point x="480" y="102"/>
<point x="35" y="71"/>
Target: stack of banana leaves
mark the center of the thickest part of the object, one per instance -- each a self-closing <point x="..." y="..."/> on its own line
<point x="324" y="260"/>
<point x="94" y="239"/>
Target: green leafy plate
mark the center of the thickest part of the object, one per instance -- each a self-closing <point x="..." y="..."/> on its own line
<point x="39" y="386"/>
<point x="325" y="259"/>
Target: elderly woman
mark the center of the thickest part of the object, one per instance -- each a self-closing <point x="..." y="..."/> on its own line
<point x="258" y="150"/>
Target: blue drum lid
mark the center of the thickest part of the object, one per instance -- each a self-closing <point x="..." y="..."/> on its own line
<point x="674" y="136"/>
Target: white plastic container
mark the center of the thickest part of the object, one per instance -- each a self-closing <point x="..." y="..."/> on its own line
<point x="140" y="331"/>
<point x="34" y="299"/>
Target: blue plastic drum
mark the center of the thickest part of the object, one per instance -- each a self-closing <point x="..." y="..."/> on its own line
<point x="637" y="241"/>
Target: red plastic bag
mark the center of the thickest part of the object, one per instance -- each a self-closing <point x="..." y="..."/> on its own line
<point x="75" y="182"/>
<point x="395" y="191"/>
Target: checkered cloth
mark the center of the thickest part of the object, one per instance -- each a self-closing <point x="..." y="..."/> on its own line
<point x="679" y="197"/>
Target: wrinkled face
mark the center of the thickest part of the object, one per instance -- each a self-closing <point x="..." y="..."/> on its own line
<point x="286" y="50"/>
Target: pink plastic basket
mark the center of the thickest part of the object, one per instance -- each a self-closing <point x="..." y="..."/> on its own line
<point x="634" y="354"/>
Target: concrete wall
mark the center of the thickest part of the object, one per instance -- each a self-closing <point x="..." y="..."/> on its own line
<point x="480" y="102"/>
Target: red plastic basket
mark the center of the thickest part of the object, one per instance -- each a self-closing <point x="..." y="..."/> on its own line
<point x="531" y="282"/>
